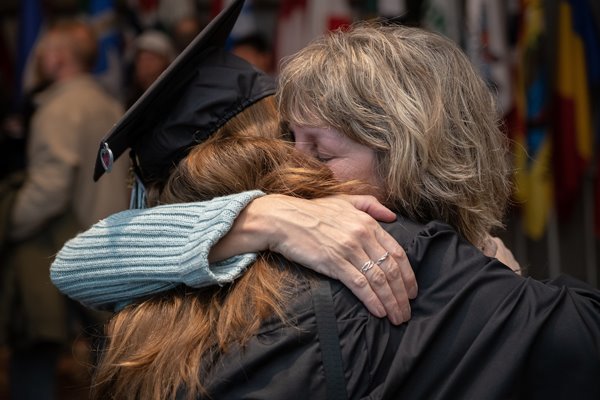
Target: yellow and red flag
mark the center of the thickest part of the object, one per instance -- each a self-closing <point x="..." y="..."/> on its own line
<point x="528" y="122"/>
<point x="577" y="61"/>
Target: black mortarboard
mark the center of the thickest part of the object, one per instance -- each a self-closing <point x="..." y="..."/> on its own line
<point x="203" y="88"/>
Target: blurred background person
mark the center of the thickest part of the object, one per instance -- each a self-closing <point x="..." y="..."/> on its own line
<point x="185" y="30"/>
<point x="14" y="128"/>
<point x="56" y="199"/>
<point x="153" y="52"/>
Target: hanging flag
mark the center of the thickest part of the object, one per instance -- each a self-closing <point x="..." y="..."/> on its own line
<point x="108" y="68"/>
<point x="486" y="44"/>
<point x="444" y="17"/>
<point x="577" y="64"/>
<point x="528" y="122"/>
<point x="291" y="32"/>
<point x="300" y="21"/>
<point x="30" y="25"/>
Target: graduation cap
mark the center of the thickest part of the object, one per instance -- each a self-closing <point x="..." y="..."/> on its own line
<point x="203" y="88"/>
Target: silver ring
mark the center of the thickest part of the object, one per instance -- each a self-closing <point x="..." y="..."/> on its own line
<point x="382" y="258"/>
<point x="367" y="266"/>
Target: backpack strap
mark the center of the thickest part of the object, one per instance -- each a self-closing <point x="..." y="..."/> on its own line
<point x="329" y="339"/>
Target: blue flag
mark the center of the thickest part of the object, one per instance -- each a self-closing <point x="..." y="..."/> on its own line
<point x="30" y="22"/>
<point x="108" y="67"/>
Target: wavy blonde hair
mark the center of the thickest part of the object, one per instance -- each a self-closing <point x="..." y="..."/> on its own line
<point x="414" y="98"/>
<point x="168" y="343"/>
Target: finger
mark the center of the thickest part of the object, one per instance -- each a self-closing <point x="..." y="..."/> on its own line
<point x="358" y="284"/>
<point x="388" y="285"/>
<point x="408" y="275"/>
<point x="399" y="274"/>
<point x="397" y="286"/>
<point x="379" y="283"/>
<point x="366" y="248"/>
<point x="401" y="266"/>
<point x="371" y="206"/>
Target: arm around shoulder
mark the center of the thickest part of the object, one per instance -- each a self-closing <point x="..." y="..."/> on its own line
<point x="137" y="253"/>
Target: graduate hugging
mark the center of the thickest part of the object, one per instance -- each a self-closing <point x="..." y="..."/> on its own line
<point x="212" y="302"/>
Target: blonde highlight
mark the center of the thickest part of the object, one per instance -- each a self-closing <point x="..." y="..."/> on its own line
<point x="414" y="98"/>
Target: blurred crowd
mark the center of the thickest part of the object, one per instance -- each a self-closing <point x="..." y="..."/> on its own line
<point x="143" y="53"/>
<point x="48" y="142"/>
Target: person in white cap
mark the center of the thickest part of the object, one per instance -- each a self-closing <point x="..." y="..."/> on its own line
<point x="153" y="52"/>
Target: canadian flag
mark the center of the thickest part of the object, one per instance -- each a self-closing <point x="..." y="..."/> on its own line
<point x="300" y="21"/>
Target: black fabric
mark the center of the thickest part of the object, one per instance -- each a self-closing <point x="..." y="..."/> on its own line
<point x="202" y="88"/>
<point x="221" y="86"/>
<point x="478" y="331"/>
<point x="329" y="340"/>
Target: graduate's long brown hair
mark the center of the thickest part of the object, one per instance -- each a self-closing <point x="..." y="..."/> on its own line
<point x="165" y="344"/>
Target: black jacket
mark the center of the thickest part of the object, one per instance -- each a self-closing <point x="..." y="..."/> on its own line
<point x="478" y="331"/>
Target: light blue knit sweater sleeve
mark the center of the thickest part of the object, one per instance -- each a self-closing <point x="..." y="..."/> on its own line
<point x="136" y="253"/>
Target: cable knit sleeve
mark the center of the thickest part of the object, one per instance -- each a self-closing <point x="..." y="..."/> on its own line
<point x="136" y="253"/>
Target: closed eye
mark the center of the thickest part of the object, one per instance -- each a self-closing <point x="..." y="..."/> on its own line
<point x="323" y="158"/>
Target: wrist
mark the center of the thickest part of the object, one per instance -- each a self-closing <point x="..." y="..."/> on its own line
<point x="252" y="231"/>
<point x="255" y="224"/>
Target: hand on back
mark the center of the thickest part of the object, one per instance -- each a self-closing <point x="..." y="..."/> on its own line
<point x="339" y="237"/>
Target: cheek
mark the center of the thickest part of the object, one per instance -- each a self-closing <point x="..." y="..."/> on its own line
<point x="339" y="172"/>
<point x="345" y="170"/>
<point x="302" y="146"/>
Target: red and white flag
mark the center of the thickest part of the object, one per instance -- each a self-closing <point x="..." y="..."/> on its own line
<point x="300" y="21"/>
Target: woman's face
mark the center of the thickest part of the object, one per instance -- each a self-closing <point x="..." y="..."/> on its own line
<point x="51" y="55"/>
<point x="346" y="158"/>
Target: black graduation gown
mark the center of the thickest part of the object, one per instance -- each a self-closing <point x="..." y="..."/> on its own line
<point x="478" y="331"/>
